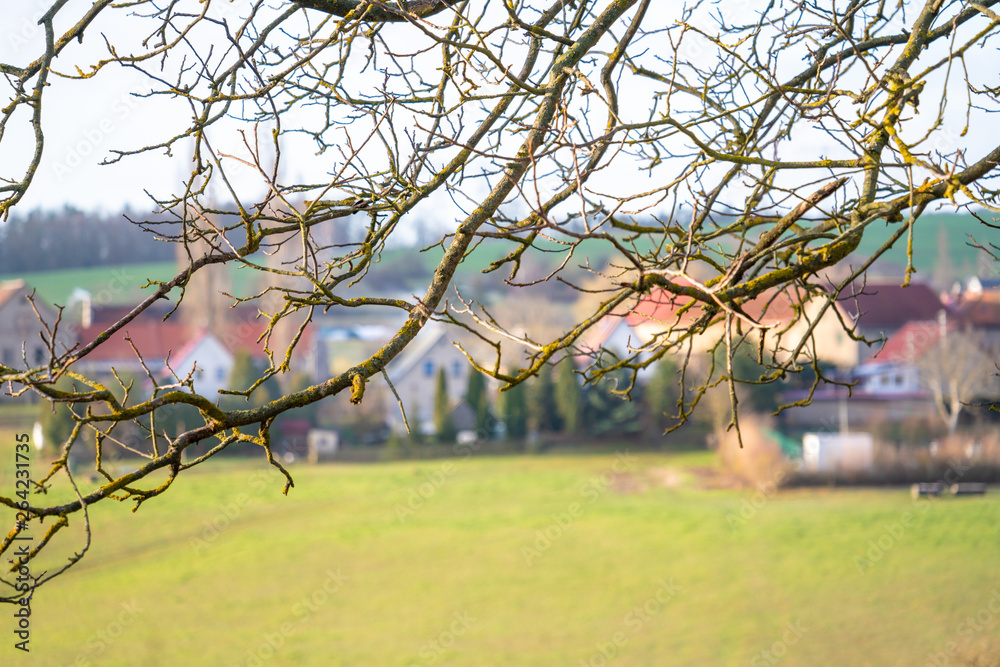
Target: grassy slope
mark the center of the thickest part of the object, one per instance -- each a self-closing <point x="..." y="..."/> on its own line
<point x="107" y="284"/>
<point x="218" y="602"/>
<point x="117" y="284"/>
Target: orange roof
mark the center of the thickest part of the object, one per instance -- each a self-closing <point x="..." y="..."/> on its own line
<point x="155" y="338"/>
<point x="154" y="341"/>
<point x="664" y="307"/>
<point x="981" y="310"/>
<point x="888" y="305"/>
<point x="9" y="289"/>
<point x="912" y="341"/>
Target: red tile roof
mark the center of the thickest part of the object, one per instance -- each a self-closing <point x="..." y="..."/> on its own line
<point x="981" y="310"/>
<point x="153" y="339"/>
<point x="662" y="307"/>
<point x="912" y="340"/>
<point x="889" y="306"/>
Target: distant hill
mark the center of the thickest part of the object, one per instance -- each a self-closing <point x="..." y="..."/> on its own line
<point x="942" y="247"/>
<point x="942" y="253"/>
<point x="107" y="285"/>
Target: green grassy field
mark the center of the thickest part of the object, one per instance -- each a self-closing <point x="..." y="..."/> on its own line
<point x="107" y="284"/>
<point x="555" y="560"/>
<point x="118" y="284"/>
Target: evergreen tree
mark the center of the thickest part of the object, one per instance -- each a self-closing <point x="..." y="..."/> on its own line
<point x="512" y="406"/>
<point x="56" y="420"/>
<point x="568" y="396"/>
<point x="442" y="410"/>
<point x="475" y="396"/>
<point x="760" y="396"/>
<point x="606" y="412"/>
<point x="245" y="372"/>
<point x="415" y="422"/>
<point x="298" y="382"/>
<point x="542" y="412"/>
<point x="662" y="393"/>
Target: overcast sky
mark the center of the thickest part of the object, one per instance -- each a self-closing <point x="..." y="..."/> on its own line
<point x="84" y="120"/>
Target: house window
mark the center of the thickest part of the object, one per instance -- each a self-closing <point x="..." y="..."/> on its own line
<point x="8" y="357"/>
<point x="456" y="369"/>
<point x="39" y="356"/>
<point x="428" y="368"/>
<point x="220" y="374"/>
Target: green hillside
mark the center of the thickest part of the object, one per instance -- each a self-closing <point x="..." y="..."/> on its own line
<point x="116" y="284"/>
<point x="936" y="237"/>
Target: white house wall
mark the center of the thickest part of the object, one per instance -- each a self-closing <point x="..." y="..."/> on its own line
<point x="214" y="363"/>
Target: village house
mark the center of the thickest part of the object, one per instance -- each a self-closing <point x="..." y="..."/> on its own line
<point x="414" y="375"/>
<point x="873" y="312"/>
<point x="20" y="340"/>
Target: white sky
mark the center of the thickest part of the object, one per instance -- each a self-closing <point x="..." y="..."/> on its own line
<point x="86" y="119"/>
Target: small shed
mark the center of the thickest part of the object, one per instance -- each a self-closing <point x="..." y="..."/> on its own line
<point x="837" y="452"/>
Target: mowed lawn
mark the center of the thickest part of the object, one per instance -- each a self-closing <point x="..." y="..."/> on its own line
<point x="549" y="560"/>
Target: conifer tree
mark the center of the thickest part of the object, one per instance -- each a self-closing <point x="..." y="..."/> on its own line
<point x="443" y="423"/>
<point x="662" y="393"/>
<point x="512" y="406"/>
<point x="568" y="396"/>
<point x="542" y="412"/>
<point x="475" y="396"/>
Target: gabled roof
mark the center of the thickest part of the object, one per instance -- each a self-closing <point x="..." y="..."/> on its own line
<point x="9" y="289"/>
<point x="912" y="341"/>
<point x="889" y="306"/>
<point x="154" y="340"/>
<point x="663" y="307"/>
<point x="980" y="310"/>
<point x="178" y="356"/>
<point x="597" y="336"/>
<point x="416" y="351"/>
<point x="151" y="332"/>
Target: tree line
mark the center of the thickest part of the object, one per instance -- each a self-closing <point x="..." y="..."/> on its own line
<point x="70" y="238"/>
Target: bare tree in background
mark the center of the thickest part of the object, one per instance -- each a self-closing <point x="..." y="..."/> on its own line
<point x="956" y="369"/>
<point x="720" y="154"/>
